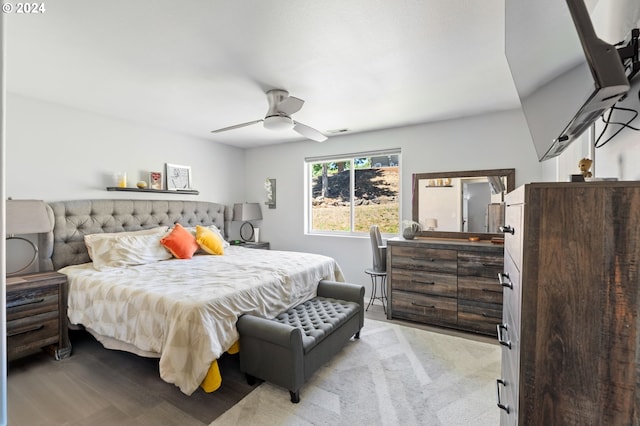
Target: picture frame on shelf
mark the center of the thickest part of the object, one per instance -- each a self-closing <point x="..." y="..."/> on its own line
<point x="155" y="180"/>
<point x="178" y="177"/>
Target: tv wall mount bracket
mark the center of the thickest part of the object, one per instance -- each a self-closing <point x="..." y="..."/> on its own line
<point x="629" y="53"/>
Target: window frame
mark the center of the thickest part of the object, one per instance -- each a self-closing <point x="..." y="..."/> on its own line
<point x="308" y="174"/>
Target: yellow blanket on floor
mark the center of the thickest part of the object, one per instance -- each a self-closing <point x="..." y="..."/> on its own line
<point x="213" y="379"/>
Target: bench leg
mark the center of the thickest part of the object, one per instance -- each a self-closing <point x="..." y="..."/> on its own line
<point x="250" y="379"/>
<point x="295" y="396"/>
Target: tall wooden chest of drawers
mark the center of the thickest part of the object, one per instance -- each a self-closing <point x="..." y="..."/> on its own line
<point x="36" y="306"/>
<point x="450" y="283"/>
<point x="570" y="353"/>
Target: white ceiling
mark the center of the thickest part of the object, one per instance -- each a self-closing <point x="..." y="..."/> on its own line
<point x="197" y="65"/>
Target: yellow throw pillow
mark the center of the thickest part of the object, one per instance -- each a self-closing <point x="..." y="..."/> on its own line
<point x="180" y="242"/>
<point x="209" y="241"/>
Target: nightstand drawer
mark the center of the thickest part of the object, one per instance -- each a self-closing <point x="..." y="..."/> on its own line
<point x="36" y="311"/>
<point x="30" y="333"/>
<point x="30" y="302"/>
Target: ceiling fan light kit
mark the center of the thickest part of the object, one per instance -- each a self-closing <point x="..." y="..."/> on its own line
<point x="278" y="116"/>
<point x="278" y="122"/>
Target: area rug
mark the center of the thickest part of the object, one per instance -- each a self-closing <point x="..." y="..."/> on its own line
<point x="392" y="375"/>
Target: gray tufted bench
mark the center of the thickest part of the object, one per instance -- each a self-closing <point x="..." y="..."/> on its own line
<point x="289" y="348"/>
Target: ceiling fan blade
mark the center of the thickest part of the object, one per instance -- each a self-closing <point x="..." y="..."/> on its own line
<point x="237" y="126"/>
<point x="290" y="105"/>
<point x="309" y="132"/>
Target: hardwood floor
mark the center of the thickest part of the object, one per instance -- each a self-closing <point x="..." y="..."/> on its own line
<point x="96" y="386"/>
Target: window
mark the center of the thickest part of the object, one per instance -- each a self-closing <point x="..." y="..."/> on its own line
<point x="348" y="194"/>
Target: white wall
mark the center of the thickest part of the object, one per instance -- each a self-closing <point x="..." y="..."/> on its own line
<point x="620" y="157"/>
<point x="59" y="153"/>
<point x="499" y="140"/>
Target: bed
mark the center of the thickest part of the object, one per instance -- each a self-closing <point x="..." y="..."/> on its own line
<point x="182" y="311"/>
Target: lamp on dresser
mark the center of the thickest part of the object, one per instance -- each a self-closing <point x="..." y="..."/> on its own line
<point x="246" y="212"/>
<point x="24" y="217"/>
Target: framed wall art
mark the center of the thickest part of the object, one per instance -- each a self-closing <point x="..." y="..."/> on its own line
<point x="155" y="180"/>
<point x="177" y="177"/>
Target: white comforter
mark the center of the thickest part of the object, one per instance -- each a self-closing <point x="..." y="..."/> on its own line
<point x="186" y="310"/>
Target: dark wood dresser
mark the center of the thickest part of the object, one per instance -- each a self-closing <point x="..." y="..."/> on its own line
<point x="450" y="283"/>
<point x="571" y="301"/>
<point x="37" y="314"/>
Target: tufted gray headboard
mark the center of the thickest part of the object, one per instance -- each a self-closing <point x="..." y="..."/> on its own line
<point x="75" y="219"/>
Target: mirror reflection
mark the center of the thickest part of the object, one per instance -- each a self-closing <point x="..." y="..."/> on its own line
<point x="461" y="202"/>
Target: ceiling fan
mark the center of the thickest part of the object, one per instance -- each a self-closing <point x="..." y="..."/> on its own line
<point x="281" y="107"/>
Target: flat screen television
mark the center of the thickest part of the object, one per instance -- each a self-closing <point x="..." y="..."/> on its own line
<point x="565" y="76"/>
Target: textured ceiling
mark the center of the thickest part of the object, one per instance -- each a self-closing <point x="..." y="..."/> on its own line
<point x="193" y="66"/>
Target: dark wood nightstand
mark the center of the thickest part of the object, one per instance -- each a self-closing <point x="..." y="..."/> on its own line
<point x="260" y="245"/>
<point x="37" y="314"/>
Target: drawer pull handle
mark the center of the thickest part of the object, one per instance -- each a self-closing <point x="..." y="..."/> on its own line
<point x="505" y="280"/>
<point x="506" y="229"/>
<point x="485" y="315"/>
<point x="500" y="404"/>
<point x="423" y="306"/>
<point x="425" y="282"/>
<point x="24" y="301"/>
<point x="501" y="339"/>
<point x="491" y="290"/>
<point x="24" y="330"/>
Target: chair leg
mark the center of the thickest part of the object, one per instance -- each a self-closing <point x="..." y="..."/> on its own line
<point x="295" y="396"/>
<point x="374" y="291"/>
<point x="383" y="289"/>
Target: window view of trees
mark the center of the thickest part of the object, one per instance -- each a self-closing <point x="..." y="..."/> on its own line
<point x="350" y="195"/>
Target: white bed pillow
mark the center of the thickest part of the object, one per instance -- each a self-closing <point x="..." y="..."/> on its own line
<point x="122" y="249"/>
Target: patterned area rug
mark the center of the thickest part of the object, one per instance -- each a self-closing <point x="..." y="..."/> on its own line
<point x="393" y="375"/>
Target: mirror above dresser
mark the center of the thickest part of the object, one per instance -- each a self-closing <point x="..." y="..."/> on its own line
<point x="461" y="204"/>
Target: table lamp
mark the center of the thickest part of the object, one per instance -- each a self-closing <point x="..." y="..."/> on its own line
<point x="27" y="217"/>
<point x="245" y="212"/>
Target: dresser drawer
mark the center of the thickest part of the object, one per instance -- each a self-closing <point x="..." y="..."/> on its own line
<point x="424" y="282"/>
<point x="424" y="259"/>
<point x="480" y="289"/>
<point x="478" y="316"/>
<point x="513" y="242"/>
<point x="424" y="308"/>
<point x="508" y="389"/>
<point x="477" y="264"/>
<point x="512" y="296"/>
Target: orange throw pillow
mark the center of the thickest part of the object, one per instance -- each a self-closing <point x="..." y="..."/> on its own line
<point x="180" y="242"/>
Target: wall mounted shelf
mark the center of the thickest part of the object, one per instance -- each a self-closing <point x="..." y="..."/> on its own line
<point x="160" y="191"/>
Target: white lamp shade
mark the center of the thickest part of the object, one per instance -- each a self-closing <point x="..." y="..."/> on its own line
<point x="431" y="223"/>
<point x="27" y="217"/>
<point x="246" y="211"/>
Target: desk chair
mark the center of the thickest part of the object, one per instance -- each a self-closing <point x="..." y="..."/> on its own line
<point x="378" y="272"/>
